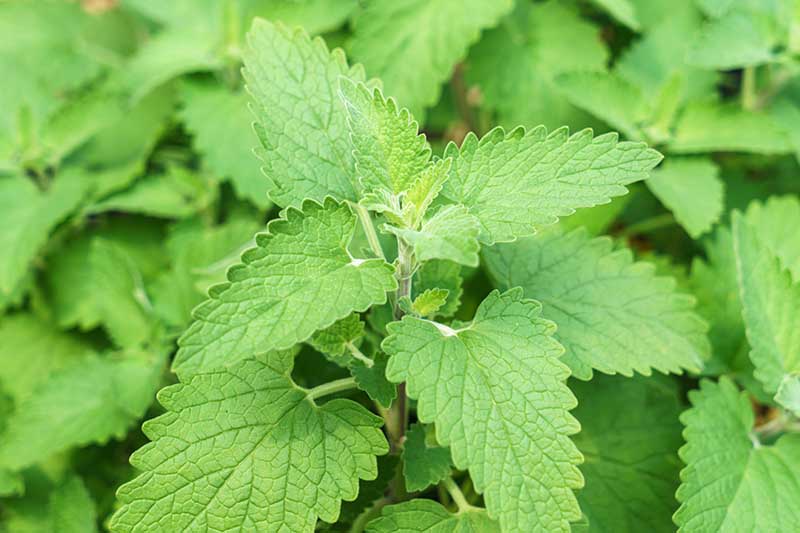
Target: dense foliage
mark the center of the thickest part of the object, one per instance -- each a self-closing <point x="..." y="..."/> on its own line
<point x="399" y="266"/>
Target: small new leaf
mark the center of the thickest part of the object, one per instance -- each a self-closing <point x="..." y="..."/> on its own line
<point x="451" y="233"/>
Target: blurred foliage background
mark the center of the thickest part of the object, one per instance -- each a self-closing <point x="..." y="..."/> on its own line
<point x="128" y="183"/>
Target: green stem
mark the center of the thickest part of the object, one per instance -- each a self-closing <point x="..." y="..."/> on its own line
<point x="369" y="229"/>
<point x="358" y="354"/>
<point x="649" y="224"/>
<point x="332" y="387"/>
<point x="456" y="494"/>
<point x="748" y="89"/>
<point x="360" y="523"/>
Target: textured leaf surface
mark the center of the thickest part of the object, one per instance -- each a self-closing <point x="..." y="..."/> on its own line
<point x="428" y="516"/>
<point x="692" y="190"/>
<point x="630" y="435"/>
<point x="89" y="400"/>
<point x="333" y="341"/>
<point x="440" y="275"/>
<point x="244" y="448"/>
<point x="451" y="233"/>
<point x="299" y="278"/>
<point x="223" y="133"/>
<point x="613" y="314"/>
<point x="423" y="465"/>
<point x="537" y="43"/>
<point x="413" y="45"/>
<point x="301" y="121"/>
<point x="514" y="182"/>
<point x="732" y="483"/>
<point x="26" y="218"/>
<point x="389" y="151"/>
<point x="495" y="389"/>
<point x="770" y="308"/>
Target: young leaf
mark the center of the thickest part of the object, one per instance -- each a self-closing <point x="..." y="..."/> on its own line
<point x="436" y="34"/>
<point x="298" y="279"/>
<point x="428" y="303"/>
<point x="332" y="341"/>
<point x="631" y="466"/>
<point x="221" y="124"/>
<point x="372" y="379"/>
<point x="692" y="190"/>
<point x="514" y="182"/>
<point x="310" y="157"/>
<point x="440" y="275"/>
<point x="388" y="149"/>
<point x="27" y="216"/>
<point x="89" y="400"/>
<point x="423" y="465"/>
<point x="770" y="308"/>
<point x="264" y="456"/>
<point x="731" y="481"/>
<point x="613" y="315"/>
<point x="496" y="390"/>
<point x="428" y="516"/>
<point x="451" y="233"/>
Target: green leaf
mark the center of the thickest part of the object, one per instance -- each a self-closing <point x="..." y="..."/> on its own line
<point x="333" y="341"/>
<point x="311" y="157"/>
<point x="692" y="190"/>
<point x="62" y="505"/>
<point x="705" y="127"/>
<point x="372" y="379"/>
<point x="451" y="233"/>
<point x="428" y="303"/>
<point x="731" y="481"/>
<point x="299" y="278"/>
<point x="776" y="221"/>
<point x="441" y="275"/>
<point x="124" y="307"/>
<point x="221" y="125"/>
<point x="514" y="182"/>
<point x="630" y="435"/>
<point x="622" y="10"/>
<point x="27" y="216"/>
<point x="613" y="314"/>
<point x="316" y="16"/>
<point x="263" y="455"/>
<point x="177" y="193"/>
<point x="171" y="53"/>
<point x="428" y="516"/>
<point x="496" y="390"/>
<point x="389" y="151"/>
<point x="31" y="350"/>
<point x="770" y="308"/>
<point x="423" y="465"/>
<point x="740" y="38"/>
<point x="426" y="189"/>
<point x="536" y="42"/>
<point x="89" y="400"/>
<point x="436" y="34"/>
<point x="607" y="96"/>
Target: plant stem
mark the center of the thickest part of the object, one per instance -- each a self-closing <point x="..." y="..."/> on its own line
<point x="369" y="229"/>
<point x="358" y="354"/>
<point x="649" y="224"/>
<point x="465" y="110"/>
<point x="456" y="494"/>
<point x="332" y="387"/>
<point x="748" y="89"/>
<point x="361" y="522"/>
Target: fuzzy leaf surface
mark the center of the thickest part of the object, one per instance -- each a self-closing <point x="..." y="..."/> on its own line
<point x="514" y="182"/>
<point x="495" y="389"/>
<point x="613" y="314"/>
<point x="244" y="448"/>
<point x="299" y="278"/>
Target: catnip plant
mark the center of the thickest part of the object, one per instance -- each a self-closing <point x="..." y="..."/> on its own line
<point x="364" y="263"/>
